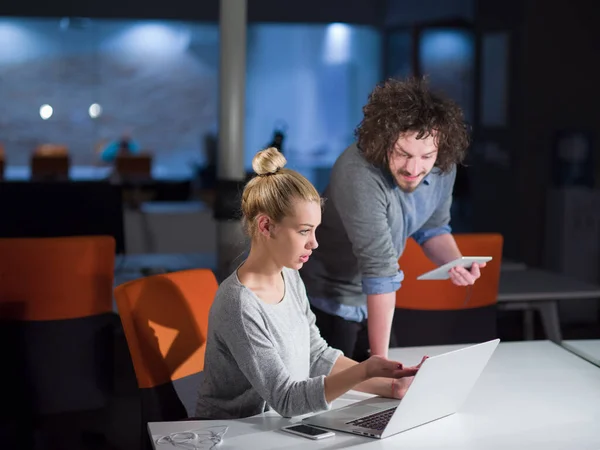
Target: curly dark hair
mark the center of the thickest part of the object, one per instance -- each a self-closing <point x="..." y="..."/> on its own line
<point x="397" y="106"/>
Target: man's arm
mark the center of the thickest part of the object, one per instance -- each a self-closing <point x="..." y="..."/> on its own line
<point x="435" y="236"/>
<point x="441" y="249"/>
<point x="437" y="242"/>
<point x="380" y="309"/>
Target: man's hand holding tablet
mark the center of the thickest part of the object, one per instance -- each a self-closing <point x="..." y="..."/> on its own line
<point x="462" y="271"/>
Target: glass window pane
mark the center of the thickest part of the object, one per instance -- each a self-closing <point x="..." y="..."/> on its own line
<point x="494" y="79"/>
<point x="399" y="54"/>
<point x="312" y="80"/>
<point x="447" y="57"/>
<point x="83" y="83"/>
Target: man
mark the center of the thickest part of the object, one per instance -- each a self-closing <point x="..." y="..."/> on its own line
<point x="395" y="182"/>
<point x="124" y="146"/>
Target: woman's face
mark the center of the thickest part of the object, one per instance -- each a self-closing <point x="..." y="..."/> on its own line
<point x="292" y="240"/>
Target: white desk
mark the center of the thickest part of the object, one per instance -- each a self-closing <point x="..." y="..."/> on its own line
<point x="170" y="227"/>
<point x="535" y="289"/>
<point x="95" y="173"/>
<point x="586" y="348"/>
<point x="532" y="395"/>
<point x="172" y="261"/>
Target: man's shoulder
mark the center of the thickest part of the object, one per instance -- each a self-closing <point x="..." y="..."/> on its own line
<point x="351" y="166"/>
<point x="443" y="180"/>
<point x="351" y="156"/>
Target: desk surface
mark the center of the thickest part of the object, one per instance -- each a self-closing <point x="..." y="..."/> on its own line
<point x="586" y="348"/>
<point x="535" y="284"/>
<point x="95" y="173"/>
<point x="533" y="395"/>
<point x="171" y="261"/>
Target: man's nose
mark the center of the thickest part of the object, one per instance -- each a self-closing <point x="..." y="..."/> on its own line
<point x="412" y="166"/>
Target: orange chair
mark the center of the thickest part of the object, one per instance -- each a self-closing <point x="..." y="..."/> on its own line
<point x="165" y="319"/>
<point x="134" y="166"/>
<point x="438" y="312"/>
<point x="50" y="161"/>
<point x="56" y="278"/>
<point x="56" y="309"/>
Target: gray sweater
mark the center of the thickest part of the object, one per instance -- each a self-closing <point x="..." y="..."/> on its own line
<point x="260" y="355"/>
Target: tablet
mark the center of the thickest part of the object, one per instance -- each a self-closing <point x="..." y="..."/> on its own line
<point x="441" y="273"/>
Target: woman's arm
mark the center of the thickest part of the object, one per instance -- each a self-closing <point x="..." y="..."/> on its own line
<point x="384" y="387"/>
<point x="257" y="357"/>
<point x="344" y="374"/>
<point x="364" y="375"/>
<point x="245" y="335"/>
<point x="376" y="386"/>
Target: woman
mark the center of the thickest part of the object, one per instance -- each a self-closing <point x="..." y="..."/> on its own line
<point x="263" y="348"/>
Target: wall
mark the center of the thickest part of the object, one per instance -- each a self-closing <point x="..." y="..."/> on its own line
<point x="560" y="90"/>
<point x="495" y="151"/>
<point x="553" y="85"/>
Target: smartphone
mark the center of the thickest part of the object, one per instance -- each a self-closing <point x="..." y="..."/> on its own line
<point x="308" y="431"/>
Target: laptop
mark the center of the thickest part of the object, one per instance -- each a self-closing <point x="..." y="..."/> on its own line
<point x="439" y="389"/>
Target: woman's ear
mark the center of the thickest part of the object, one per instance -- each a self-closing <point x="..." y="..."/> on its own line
<point x="265" y="225"/>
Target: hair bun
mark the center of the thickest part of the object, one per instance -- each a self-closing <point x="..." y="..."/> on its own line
<point x="268" y="161"/>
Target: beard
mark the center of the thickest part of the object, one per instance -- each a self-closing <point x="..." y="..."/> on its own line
<point x="404" y="184"/>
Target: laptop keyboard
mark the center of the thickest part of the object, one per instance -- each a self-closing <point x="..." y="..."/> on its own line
<point x="377" y="421"/>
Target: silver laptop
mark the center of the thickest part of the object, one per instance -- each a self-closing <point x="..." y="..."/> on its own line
<point x="438" y="390"/>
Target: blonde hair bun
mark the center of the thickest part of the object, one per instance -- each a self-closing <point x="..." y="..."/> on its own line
<point x="268" y="161"/>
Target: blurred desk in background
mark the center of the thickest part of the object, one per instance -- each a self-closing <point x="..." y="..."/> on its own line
<point x="535" y="289"/>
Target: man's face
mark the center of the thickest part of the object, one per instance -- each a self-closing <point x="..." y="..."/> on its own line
<point x="412" y="159"/>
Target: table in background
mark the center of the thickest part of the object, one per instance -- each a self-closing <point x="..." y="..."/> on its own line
<point x="535" y="289"/>
<point x="532" y="395"/>
<point x="509" y="264"/>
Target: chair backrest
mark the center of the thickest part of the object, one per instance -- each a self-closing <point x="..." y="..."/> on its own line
<point x="140" y="165"/>
<point x="50" y="161"/>
<point x="59" y="209"/>
<point x="443" y="295"/>
<point x="51" y="150"/>
<point x="56" y="312"/>
<point x="165" y="319"/>
<point x="56" y="278"/>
